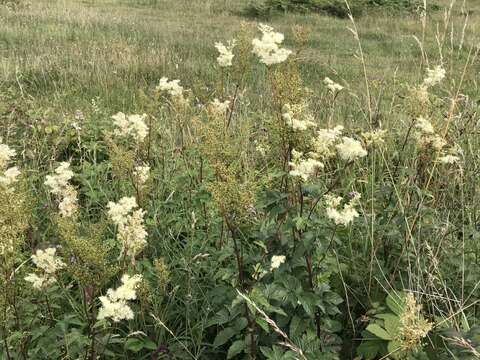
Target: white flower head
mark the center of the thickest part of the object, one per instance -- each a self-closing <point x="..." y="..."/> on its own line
<point x="276" y="261"/>
<point x="47" y="260"/>
<point x="341" y="216"/>
<point x="350" y="149"/>
<point x="114" y="305"/>
<point x="59" y="186"/>
<point x="115" y="310"/>
<point x="325" y="140"/>
<point x="118" y="211"/>
<point x="39" y="282"/>
<point x="375" y="137"/>
<point x="9" y="176"/>
<point x="142" y="173"/>
<point x="226" y="53"/>
<point x="267" y="48"/>
<point x="49" y="263"/>
<point x="6" y="153"/>
<point x="424" y="125"/>
<point x="296" y="124"/>
<point x="132" y="234"/>
<point x="219" y="108"/>
<point x="332" y="86"/>
<point x="448" y="159"/>
<point x="303" y="168"/>
<point x="434" y="76"/>
<point x="68" y="206"/>
<point x="131" y="125"/>
<point x="172" y="87"/>
<point x="58" y="182"/>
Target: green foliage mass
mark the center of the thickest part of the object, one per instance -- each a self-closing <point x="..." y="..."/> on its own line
<point x="336" y="8"/>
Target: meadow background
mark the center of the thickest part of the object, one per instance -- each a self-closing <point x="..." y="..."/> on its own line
<point x="216" y="207"/>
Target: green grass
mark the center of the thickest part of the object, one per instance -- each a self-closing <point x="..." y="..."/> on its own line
<point x="68" y="53"/>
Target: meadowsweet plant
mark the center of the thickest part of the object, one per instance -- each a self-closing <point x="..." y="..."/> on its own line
<point x="48" y="263"/>
<point x="115" y="303"/>
<point x="268" y="47"/>
<point x="342" y="215"/>
<point x="131" y="233"/>
<point x="10" y="174"/>
<point x="226" y="55"/>
<point x="269" y="203"/>
<point x="60" y="187"/>
<point x="130" y="126"/>
<point x="332" y="86"/>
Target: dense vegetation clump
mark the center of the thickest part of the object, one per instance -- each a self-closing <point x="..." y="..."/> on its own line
<point x="336" y="8"/>
<point x="252" y="216"/>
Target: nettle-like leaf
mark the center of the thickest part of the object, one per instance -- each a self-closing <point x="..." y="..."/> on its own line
<point x="223" y="336"/>
<point x="236" y="348"/>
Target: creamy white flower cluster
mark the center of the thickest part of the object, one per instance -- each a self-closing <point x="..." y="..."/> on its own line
<point x="297" y="125"/>
<point x="141" y="174"/>
<point x="114" y="305"/>
<point x="219" y="108"/>
<point x="303" y="167"/>
<point x="226" y="53"/>
<point x="59" y="185"/>
<point x="10" y="174"/>
<point x="342" y="215"/>
<point x="267" y="48"/>
<point x="323" y="143"/>
<point x="276" y="261"/>
<point x="426" y="135"/>
<point x="375" y="137"/>
<point x="434" y="76"/>
<point x="332" y="86"/>
<point x="326" y="144"/>
<point x="350" y="149"/>
<point x="172" y="87"/>
<point x="131" y="230"/>
<point x="451" y="156"/>
<point x="130" y="125"/>
<point x="328" y="140"/>
<point x="46" y="261"/>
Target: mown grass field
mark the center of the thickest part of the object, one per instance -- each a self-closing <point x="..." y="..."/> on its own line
<point x="257" y="210"/>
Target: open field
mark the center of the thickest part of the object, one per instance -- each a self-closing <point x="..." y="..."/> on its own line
<point x="311" y="195"/>
<point x="70" y="52"/>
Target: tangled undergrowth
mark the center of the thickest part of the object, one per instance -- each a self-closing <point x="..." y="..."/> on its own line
<point x="200" y="228"/>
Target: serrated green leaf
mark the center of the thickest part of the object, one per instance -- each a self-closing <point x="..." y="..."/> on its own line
<point x="369" y="349"/>
<point x="236" y="348"/>
<point x="223" y="336"/>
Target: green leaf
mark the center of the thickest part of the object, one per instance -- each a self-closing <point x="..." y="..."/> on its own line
<point x="392" y="323"/>
<point x="393" y="347"/>
<point x="236" y="348"/>
<point x="219" y="318"/>
<point x="134" y="345"/>
<point x="240" y="324"/>
<point x="369" y="349"/>
<point x="223" y="336"/>
<point x="377" y="330"/>
<point x="296" y="328"/>
<point x="263" y="324"/>
<point x="149" y="344"/>
<point x="395" y="302"/>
